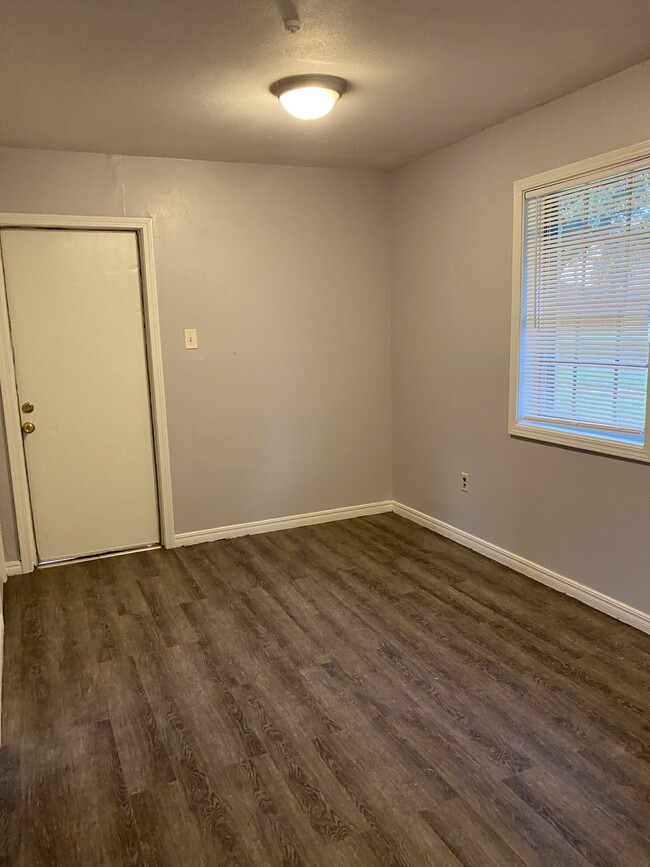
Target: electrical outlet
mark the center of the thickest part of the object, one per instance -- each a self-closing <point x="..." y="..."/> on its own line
<point x="464" y="482"/>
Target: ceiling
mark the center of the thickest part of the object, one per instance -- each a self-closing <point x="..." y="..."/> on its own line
<point x="190" y="78"/>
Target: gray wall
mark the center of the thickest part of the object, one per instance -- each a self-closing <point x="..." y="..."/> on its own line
<point x="580" y="514"/>
<point x="285" y="406"/>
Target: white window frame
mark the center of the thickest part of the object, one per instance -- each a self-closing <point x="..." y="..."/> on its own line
<point x="601" y="165"/>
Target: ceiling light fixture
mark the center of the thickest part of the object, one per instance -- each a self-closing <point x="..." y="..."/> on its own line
<point x="308" y="97"/>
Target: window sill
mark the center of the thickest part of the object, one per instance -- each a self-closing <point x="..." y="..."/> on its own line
<point x="587" y="444"/>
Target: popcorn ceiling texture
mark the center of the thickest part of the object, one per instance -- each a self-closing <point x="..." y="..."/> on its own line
<point x="190" y="80"/>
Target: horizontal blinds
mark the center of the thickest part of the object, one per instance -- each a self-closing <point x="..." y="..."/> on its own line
<point x="586" y="306"/>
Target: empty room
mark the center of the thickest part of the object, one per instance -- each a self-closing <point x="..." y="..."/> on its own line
<point x="324" y="433"/>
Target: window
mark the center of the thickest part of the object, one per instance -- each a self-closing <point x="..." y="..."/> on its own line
<point x="581" y="305"/>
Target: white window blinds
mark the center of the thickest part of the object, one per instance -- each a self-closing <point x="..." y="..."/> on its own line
<point x="585" y="307"/>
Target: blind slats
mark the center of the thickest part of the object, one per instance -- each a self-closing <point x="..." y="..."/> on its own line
<point x="586" y="306"/>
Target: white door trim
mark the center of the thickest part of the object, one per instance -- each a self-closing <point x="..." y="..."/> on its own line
<point x="143" y="227"/>
<point x="3" y="578"/>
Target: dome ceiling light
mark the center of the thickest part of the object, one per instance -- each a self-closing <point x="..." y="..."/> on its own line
<point x="308" y="97"/>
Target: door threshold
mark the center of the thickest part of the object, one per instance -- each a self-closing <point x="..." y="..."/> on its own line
<point x="101" y="555"/>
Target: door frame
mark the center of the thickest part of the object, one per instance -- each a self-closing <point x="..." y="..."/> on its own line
<point x="143" y="227"/>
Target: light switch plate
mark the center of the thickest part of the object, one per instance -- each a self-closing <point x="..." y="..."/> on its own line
<point x="191" y="339"/>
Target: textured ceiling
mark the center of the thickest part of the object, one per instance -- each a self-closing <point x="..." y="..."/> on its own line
<point x="189" y="78"/>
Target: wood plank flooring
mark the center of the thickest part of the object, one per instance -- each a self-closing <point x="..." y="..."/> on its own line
<point x="357" y="693"/>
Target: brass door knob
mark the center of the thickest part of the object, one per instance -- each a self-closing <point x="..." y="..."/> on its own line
<point x="27" y="407"/>
<point x="29" y="427"/>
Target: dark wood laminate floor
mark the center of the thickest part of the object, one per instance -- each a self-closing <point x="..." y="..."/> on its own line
<point x="357" y="693"/>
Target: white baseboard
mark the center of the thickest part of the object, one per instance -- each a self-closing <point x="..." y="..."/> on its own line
<point x="593" y="598"/>
<point x="608" y="605"/>
<point x="197" y="536"/>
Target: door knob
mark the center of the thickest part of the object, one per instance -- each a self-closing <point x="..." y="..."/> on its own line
<point x="29" y="427"/>
<point x="27" y="407"/>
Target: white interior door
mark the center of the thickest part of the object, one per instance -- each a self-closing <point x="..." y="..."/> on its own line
<point x="75" y="309"/>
